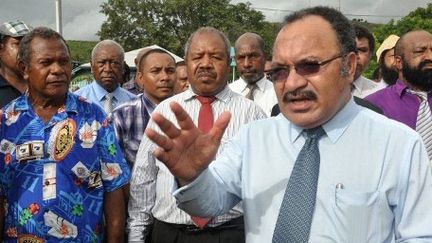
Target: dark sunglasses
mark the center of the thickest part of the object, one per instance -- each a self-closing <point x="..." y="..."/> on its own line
<point x="303" y="68"/>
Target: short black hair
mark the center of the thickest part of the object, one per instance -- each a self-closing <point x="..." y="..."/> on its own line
<point x="340" y="24"/>
<point x="147" y="53"/>
<point x="363" y="32"/>
<point x="209" y="29"/>
<point x="41" y="32"/>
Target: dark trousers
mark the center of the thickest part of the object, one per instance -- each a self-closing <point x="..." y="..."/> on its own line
<point x="230" y="232"/>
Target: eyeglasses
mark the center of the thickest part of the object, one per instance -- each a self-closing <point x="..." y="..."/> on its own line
<point x="281" y="73"/>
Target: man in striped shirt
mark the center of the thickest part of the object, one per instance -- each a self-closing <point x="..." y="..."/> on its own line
<point x="151" y="202"/>
<point x="156" y="76"/>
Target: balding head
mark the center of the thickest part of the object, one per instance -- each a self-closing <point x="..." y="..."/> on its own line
<point x="249" y="37"/>
<point x="413" y="55"/>
<point x="250" y="57"/>
<point x="107" y="43"/>
<point x="107" y="64"/>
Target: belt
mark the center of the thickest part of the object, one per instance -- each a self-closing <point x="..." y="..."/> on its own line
<point x="236" y="223"/>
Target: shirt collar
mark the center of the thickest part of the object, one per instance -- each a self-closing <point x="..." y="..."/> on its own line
<point x="260" y="83"/>
<point x="335" y="127"/>
<point x="400" y="87"/>
<point x="147" y="103"/>
<point x="23" y="103"/>
<point x="224" y="95"/>
<point x="101" y="92"/>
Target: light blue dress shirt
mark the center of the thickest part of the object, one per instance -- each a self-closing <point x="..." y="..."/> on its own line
<point x="375" y="181"/>
<point x="96" y="94"/>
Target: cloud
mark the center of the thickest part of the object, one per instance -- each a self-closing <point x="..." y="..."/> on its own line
<point x="82" y="19"/>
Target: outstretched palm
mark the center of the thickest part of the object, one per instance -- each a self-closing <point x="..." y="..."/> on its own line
<point x="186" y="151"/>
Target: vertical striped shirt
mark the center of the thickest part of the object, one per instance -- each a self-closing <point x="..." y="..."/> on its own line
<point x="129" y="121"/>
<point x="152" y="183"/>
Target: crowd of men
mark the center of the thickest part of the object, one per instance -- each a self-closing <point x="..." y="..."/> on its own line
<point x="179" y="154"/>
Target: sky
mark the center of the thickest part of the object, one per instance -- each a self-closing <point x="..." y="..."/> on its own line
<point x="81" y="18"/>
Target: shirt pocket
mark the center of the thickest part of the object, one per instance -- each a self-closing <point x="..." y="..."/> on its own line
<point x="357" y="212"/>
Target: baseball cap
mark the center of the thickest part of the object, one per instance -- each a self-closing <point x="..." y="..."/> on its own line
<point x="13" y="29"/>
<point x="388" y="43"/>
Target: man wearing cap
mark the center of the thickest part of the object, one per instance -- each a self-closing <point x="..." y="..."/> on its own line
<point x="385" y="59"/>
<point x="12" y="83"/>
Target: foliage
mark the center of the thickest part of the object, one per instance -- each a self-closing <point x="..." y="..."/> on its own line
<point x="169" y="23"/>
<point x="80" y="50"/>
<point x="421" y="18"/>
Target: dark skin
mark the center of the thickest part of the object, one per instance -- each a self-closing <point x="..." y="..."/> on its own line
<point x="48" y="73"/>
<point x="8" y="58"/>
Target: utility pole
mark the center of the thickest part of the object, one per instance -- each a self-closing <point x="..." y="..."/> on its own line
<point x="59" y="17"/>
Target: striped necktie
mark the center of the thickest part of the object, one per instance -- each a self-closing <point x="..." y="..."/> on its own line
<point x="252" y="87"/>
<point x="424" y="121"/>
<point x="298" y="204"/>
<point x="108" y="105"/>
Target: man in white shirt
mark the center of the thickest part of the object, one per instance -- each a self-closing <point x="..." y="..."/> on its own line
<point x="325" y="170"/>
<point x="151" y="201"/>
<point x="365" y="43"/>
<point x="250" y="60"/>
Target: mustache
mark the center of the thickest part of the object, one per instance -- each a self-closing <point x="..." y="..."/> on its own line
<point x="165" y="86"/>
<point x="299" y="95"/>
<point x="250" y="70"/>
<point x="424" y="63"/>
<point x="205" y="72"/>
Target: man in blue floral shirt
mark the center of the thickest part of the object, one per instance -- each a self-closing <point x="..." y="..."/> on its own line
<point x="61" y="169"/>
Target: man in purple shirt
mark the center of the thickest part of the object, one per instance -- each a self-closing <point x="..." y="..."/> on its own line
<point x="413" y="60"/>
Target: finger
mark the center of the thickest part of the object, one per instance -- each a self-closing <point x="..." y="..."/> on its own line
<point x="219" y="126"/>
<point x="160" y="140"/>
<point x="162" y="156"/>
<point x="183" y="118"/>
<point x="165" y="125"/>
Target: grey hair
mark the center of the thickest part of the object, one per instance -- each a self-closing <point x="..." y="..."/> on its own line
<point x="209" y="29"/>
<point x="107" y="43"/>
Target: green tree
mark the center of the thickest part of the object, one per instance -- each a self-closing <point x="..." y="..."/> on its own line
<point x="168" y="23"/>
<point x="421" y="18"/>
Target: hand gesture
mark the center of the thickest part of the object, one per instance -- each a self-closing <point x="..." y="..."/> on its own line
<point x="186" y="151"/>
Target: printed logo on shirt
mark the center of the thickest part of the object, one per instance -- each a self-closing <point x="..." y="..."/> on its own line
<point x="11" y="116"/>
<point x="110" y="171"/>
<point x="27" y="238"/>
<point x="62" y="139"/>
<point x="95" y="180"/>
<point x="88" y="134"/>
<point x="30" y="150"/>
<point x="60" y="227"/>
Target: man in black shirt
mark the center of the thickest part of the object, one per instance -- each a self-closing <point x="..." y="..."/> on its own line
<point x="12" y="83"/>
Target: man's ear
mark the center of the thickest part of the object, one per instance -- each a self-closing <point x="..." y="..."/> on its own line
<point x="398" y="63"/>
<point x="351" y="59"/>
<point x="23" y="69"/>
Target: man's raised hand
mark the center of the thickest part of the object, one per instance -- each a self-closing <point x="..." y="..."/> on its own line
<point x="186" y="151"/>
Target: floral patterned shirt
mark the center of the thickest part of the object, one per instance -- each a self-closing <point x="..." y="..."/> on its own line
<point x="54" y="175"/>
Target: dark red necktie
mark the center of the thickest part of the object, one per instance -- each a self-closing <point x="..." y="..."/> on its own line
<point x="205" y="123"/>
<point x="205" y="117"/>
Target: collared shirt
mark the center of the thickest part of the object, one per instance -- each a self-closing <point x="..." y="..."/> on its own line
<point x="130" y="120"/>
<point x="363" y="87"/>
<point x="7" y="92"/>
<point x="55" y="174"/>
<point x="264" y="95"/>
<point x="96" y="94"/>
<point x="374" y="184"/>
<point x="152" y="183"/>
<point x="398" y="104"/>
<point x="132" y="86"/>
